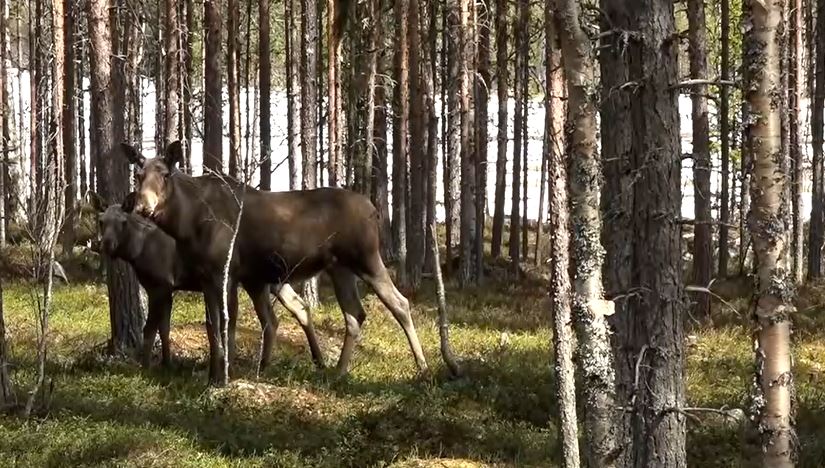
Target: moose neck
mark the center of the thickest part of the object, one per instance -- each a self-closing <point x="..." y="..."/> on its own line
<point x="177" y="213"/>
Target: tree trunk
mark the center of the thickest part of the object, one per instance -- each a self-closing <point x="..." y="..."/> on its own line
<point x="724" y="137"/>
<point x="518" y="123"/>
<point x="430" y="72"/>
<point x="293" y="58"/>
<point x="418" y="151"/>
<point x="79" y="93"/>
<point x="125" y="312"/>
<point x="795" y="85"/>
<point x="266" y="92"/>
<point x="525" y="141"/>
<point x="817" y="224"/>
<point x="35" y="173"/>
<point x="4" y="172"/>
<point x="401" y="99"/>
<point x="467" y="273"/>
<point x="335" y="26"/>
<point x="188" y="65"/>
<point x="68" y="118"/>
<point x="483" y="83"/>
<point x="642" y="206"/>
<point x="590" y="310"/>
<point x="502" y="10"/>
<point x="233" y="46"/>
<point x="773" y="306"/>
<point x="702" y="253"/>
<point x="560" y="289"/>
<point x="212" y="113"/>
<point x="171" y="65"/>
<point x="308" y="74"/>
<point x="319" y="92"/>
<point x="380" y="185"/>
<point x="452" y="180"/>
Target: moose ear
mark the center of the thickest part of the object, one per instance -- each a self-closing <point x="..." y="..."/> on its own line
<point x="132" y="154"/>
<point x="173" y="154"/>
<point x="95" y="201"/>
<point x="128" y="204"/>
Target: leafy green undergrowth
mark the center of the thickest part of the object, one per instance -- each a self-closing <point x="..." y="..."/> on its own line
<point x="107" y="411"/>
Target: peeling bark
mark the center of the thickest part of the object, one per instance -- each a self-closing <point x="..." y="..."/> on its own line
<point x="768" y="223"/>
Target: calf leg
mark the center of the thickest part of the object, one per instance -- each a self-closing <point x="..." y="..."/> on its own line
<point x="215" y="324"/>
<point x="165" y="319"/>
<point x="150" y="328"/>
<point x="259" y="294"/>
<point x="299" y="309"/>
<point x="346" y="291"/>
<point x="382" y="284"/>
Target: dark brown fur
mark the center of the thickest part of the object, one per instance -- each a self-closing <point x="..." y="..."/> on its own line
<point x="161" y="270"/>
<point x="283" y="236"/>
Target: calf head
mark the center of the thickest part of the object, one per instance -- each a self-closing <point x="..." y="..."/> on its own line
<point x="153" y="186"/>
<point x="112" y="224"/>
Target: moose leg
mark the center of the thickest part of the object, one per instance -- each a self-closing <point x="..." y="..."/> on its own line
<point x="382" y="284"/>
<point x="259" y="293"/>
<point x="215" y="325"/>
<point x="299" y="309"/>
<point x="346" y="291"/>
<point x="165" y="319"/>
<point x="150" y="328"/>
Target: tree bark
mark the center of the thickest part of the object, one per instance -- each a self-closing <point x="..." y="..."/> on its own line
<point x="265" y="71"/>
<point x="467" y="273"/>
<point x="817" y="224"/>
<point x="292" y="58"/>
<point x="35" y="172"/>
<point x="418" y="151"/>
<point x="724" y="137"/>
<point x="212" y="108"/>
<point x="502" y="10"/>
<point x="125" y="313"/>
<point x="4" y="168"/>
<point x="773" y="380"/>
<point x="171" y="65"/>
<point x="483" y="83"/>
<point x="308" y="74"/>
<point x="399" y="134"/>
<point x="452" y="164"/>
<point x="188" y="66"/>
<point x="642" y="207"/>
<point x="590" y="310"/>
<point x="518" y="124"/>
<point x="525" y="141"/>
<point x="335" y="25"/>
<point x="795" y="93"/>
<point x="79" y="93"/>
<point x="233" y="46"/>
<point x="560" y="289"/>
<point x="380" y="186"/>
<point x="702" y="253"/>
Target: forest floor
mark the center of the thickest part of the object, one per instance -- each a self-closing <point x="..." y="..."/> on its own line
<point x="106" y="411"/>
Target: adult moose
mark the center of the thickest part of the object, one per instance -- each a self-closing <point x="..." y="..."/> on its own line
<point x="282" y="236"/>
<point x="161" y="270"/>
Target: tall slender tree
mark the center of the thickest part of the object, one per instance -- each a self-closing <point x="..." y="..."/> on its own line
<point x="520" y="27"/>
<point x="817" y="224"/>
<point x="702" y="238"/>
<point x="265" y="72"/>
<point x="501" y="156"/>
<point x="452" y="180"/>
<point x="233" y="46"/>
<point x="483" y="84"/>
<point x="468" y="273"/>
<point x="724" y="139"/>
<point x="125" y="312"/>
<point x="399" y="135"/>
<point x="292" y="55"/>
<point x="418" y="133"/>
<point x="309" y="76"/>
<point x="171" y="71"/>
<point x="773" y="306"/>
<point x="590" y="310"/>
<point x="642" y="208"/>
<point x="795" y="87"/>
<point x="336" y="11"/>
<point x="213" y="81"/>
<point x="188" y="67"/>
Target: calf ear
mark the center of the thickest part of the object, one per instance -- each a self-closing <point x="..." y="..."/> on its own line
<point x="173" y="154"/>
<point x="128" y="204"/>
<point x="95" y="201"/>
<point x="132" y="154"/>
